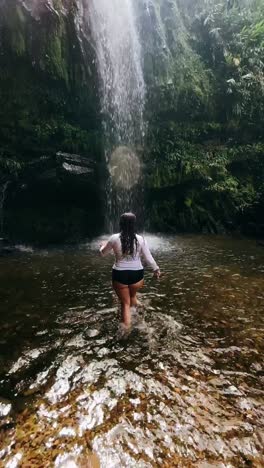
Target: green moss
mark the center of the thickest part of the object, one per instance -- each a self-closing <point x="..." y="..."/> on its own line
<point x="57" y="4"/>
<point x="55" y="63"/>
<point x="18" y="43"/>
<point x="193" y="185"/>
<point x="16" y="30"/>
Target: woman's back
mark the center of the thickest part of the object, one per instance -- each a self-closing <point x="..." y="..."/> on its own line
<point x="129" y="261"/>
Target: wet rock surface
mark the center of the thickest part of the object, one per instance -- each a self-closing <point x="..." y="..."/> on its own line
<point x="183" y="389"/>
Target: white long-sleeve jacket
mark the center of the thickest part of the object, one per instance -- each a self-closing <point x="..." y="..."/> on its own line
<point x="129" y="262"/>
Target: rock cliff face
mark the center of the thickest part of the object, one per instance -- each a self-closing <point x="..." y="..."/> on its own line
<point x="48" y="103"/>
<point x="203" y="156"/>
<point x="174" y="72"/>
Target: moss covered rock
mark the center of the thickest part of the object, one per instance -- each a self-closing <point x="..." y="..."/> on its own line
<point x="48" y="103"/>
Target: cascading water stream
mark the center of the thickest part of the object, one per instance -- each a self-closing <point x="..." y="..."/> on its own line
<point x="3" y="193"/>
<point x="113" y="27"/>
<point x="118" y="51"/>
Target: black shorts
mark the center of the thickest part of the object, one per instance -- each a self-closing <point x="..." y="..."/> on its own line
<point x="127" y="277"/>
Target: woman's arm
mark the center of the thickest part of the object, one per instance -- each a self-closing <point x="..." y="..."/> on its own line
<point x="106" y="247"/>
<point x="149" y="258"/>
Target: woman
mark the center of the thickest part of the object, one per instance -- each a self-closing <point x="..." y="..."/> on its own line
<point x="128" y="272"/>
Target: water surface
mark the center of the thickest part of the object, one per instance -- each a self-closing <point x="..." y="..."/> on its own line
<point x="183" y="389"/>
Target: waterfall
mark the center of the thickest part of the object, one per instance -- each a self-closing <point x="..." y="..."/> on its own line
<point x="122" y="88"/>
<point x="3" y="193"/>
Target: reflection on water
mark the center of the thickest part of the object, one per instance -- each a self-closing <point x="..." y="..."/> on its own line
<point x="183" y="389"/>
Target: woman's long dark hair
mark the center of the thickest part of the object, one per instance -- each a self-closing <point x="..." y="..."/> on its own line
<point x="128" y="236"/>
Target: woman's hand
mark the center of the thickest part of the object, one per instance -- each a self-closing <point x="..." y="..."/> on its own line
<point x="157" y="274"/>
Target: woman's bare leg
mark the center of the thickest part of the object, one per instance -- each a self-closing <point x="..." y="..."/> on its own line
<point x="122" y="292"/>
<point x="133" y="289"/>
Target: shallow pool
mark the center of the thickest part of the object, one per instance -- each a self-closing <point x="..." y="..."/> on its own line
<point x="184" y="389"/>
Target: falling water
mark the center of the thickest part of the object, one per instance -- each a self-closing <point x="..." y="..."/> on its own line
<point x="118" y="50"/>
<point x="2" y="205"/>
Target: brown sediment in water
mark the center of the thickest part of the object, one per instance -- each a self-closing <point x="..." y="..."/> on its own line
<point x="183" y="389"/>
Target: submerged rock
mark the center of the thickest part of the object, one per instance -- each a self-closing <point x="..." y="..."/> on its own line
<point x="5" y="408"/>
